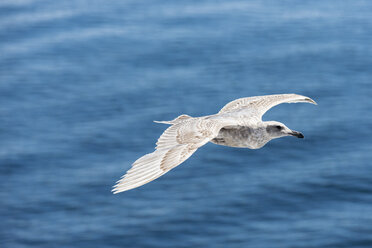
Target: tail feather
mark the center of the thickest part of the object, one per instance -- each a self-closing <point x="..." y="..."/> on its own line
<point x="164" y="122"/>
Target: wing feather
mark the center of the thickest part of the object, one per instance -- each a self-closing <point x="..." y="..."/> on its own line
<point x="258" y="105"/>
<point x="175" y="145"/>
<point x="144" y="169"/>
<point x="169" y="138"/>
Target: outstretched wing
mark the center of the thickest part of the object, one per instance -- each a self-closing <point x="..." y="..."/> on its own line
<point x="258" y="105"/>
<point x="152" y="166"/>
<point x="175" y="145"/>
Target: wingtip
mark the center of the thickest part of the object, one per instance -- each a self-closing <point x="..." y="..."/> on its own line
<point x="308" y="99"/>
<point x="117" y="190"/>
<point x="114" y="189"/>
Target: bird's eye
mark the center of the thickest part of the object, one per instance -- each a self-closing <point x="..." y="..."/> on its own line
<point x="279" y="127"/>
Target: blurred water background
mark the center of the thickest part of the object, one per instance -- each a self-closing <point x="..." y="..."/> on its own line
<point x="82" y="81"/>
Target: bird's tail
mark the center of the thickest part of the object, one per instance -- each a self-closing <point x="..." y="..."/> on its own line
<point x="175" y="121"/>
<point x="164" y="122"/>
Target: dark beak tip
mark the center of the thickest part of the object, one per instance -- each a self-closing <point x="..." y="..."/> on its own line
<point x="297" y="134"/>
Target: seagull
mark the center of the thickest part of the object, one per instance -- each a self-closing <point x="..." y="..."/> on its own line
<point x="238" y="124"/>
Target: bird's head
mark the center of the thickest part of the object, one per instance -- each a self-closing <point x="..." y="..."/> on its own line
<point x="276" y="129"/>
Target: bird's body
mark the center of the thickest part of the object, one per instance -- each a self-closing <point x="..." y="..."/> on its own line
<point x="241" y="136"/>
<point x="237" y="124"/>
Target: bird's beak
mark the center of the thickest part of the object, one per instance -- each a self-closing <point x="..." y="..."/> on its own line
<point x="297" y="134"/>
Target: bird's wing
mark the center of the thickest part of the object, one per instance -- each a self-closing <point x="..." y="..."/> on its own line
<point x="258" y="105"/>
<point x="175" y="145"/>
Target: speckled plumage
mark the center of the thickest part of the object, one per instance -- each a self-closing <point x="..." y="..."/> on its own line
<point x="237" y="124"/>
<point x="241" y="136"/>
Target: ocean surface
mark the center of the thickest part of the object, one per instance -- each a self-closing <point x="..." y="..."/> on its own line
<point x="82" y="81"/>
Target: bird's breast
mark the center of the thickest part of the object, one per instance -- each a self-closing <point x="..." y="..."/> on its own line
<point x="241" y="136"/>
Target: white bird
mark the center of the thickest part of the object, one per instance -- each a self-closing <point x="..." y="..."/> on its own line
<point x="237" y="124"/>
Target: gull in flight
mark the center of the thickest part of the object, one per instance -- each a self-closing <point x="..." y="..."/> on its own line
<point x="238" y="124"/>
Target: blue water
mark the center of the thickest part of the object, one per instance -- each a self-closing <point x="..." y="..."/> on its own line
<point x="82" y="81"/>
